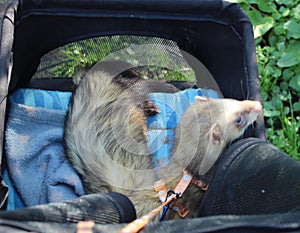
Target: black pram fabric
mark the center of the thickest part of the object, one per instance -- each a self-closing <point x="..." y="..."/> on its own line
<point x="255" y="178"/>
<point x="103" y="209"/>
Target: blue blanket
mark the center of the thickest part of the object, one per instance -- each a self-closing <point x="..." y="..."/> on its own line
<point x="37" y="166"/>
<point x="37" y="169"/>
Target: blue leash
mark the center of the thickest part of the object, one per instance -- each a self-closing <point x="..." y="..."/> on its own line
<point x="165" y="210"/>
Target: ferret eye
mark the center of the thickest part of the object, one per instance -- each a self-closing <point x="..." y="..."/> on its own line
<point x="239" y="120"/>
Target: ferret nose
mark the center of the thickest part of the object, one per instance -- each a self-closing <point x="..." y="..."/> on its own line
<point x="257" y="106"/>
<point x="254" y="106"/>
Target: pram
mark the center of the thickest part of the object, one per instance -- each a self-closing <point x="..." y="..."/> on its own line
<point x="255" y="187"/>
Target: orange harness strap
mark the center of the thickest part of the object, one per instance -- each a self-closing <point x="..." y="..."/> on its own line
<point x="160" y="188"/>
<point x="140" y="223"/>
<point x="200" y="184"/>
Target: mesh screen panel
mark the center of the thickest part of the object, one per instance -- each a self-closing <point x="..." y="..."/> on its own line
<point x="137" y="50"/>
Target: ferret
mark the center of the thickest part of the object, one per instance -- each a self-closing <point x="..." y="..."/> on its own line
<point x="105" y="138"/>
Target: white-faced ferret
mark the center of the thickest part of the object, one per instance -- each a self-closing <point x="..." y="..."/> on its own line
<point x="105" y="136"/>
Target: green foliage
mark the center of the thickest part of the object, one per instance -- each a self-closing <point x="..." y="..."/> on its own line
<point x="276" y="25"/>
<point x="85" y="53"/>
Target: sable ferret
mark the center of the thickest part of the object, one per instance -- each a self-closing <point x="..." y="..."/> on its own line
<point x="105" y="137"/>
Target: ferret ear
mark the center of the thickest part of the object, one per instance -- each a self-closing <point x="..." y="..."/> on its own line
<point x="200" y="99"/>
<point x="214" y="149"/>
<point x="216" y="134"/>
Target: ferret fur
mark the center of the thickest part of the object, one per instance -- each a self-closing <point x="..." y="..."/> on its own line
<point x="105" y="137"/>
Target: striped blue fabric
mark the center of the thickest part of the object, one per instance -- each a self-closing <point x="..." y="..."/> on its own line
<point x="41" y="98"/>
<point x="161" y="127"/>
<point x="160" y="136"/>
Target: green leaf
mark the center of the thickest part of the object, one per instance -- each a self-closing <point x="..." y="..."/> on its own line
<point x="281" y="46"/>
<point x="266" y="6"/>
<point x="297" y="69"/>
<point x="284" y="2"/>
<point x="276" y="15"/>
<point x="284" y="11"/>
<point x="273" y="39"/>
<point x="277" y="102"/>
<point x="287" y="74"/>
<point x="261" y="24"/>
<point x="284" y="85"/>
<point x="270" y="113"/>
<point x="295" y="83"/>
<point x="270" y="110"/>
<point x="291" y="56"/>
<point x="276" y="89"/>
<point x="293" y="28"/>
<point x="297" y="12"/>
<point x="286" y="110"/>
<point x="279" y="29"/>
<point x="296" y="106"/>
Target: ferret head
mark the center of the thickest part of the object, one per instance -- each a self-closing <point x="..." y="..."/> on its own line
<point x="228" y="120"/>
<point x="230" y="116"/>
<point x="208" y="126"/>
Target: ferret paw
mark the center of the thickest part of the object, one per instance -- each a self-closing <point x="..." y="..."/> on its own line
<point x="150" y="109"/>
